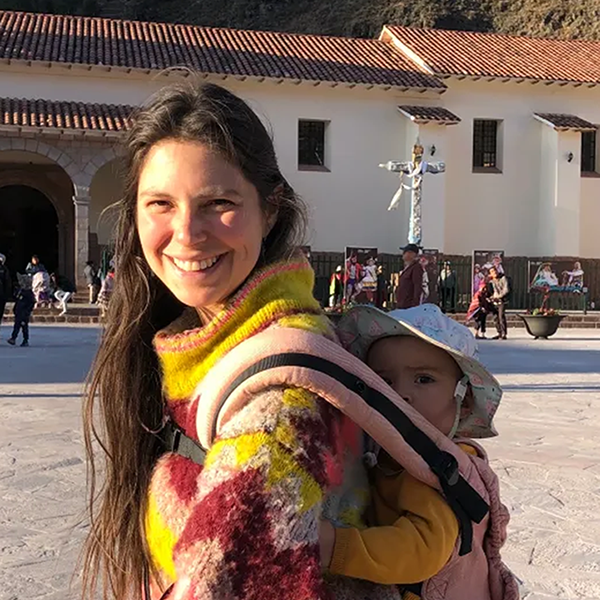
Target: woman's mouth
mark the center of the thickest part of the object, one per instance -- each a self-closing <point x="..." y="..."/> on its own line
<point x="196" y="266"/>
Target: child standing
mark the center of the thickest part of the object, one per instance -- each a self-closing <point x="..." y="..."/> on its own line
<point x="480" y="307"/>
<point x="429" y="360"/>
<point x="106" y="291"/>
<point x="24" y="303"/>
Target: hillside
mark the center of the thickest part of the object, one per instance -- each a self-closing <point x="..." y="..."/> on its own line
<point x="361" y="18"/>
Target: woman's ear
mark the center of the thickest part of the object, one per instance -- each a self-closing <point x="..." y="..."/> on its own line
<point x="272" y="209"/>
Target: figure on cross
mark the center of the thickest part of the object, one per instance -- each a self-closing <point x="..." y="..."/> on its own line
<point x="413" y="170"/>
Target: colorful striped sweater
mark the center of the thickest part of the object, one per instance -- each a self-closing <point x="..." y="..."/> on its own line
<point x="245" y="526"/>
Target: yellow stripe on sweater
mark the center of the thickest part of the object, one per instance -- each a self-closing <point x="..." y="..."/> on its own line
<point x="161" y="540"/>
<point x="255" y="450"/>
<point x="186" y="361"/>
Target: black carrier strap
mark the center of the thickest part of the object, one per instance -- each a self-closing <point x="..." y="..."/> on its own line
<point x="175" y="440"/>
<point x="467" y="504"/>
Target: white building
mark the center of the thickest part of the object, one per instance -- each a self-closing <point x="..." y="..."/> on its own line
<point x="512" y="118"/>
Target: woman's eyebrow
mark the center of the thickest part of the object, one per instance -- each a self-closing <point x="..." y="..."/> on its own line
<point x="206" y="193"/>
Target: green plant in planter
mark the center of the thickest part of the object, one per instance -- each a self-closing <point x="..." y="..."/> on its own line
<point x="544" y="312"/>
<point x="542" y="322"/>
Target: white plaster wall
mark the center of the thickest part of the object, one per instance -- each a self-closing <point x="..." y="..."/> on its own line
<point x="462" y="210"/>
<point x="548" y="179"/>
<point x="503" y="210"/>
<point x="568" y="196"/>
<point x="590" y="217"/>
<point x="347" y="205"/>
<point x="434" y="208"/>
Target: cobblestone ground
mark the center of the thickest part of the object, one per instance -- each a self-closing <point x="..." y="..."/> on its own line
<point x="548" y="459"/>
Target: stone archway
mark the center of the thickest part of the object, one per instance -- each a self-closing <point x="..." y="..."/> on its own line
<point x="28" y="225"/>
<point x="38" y="186"/>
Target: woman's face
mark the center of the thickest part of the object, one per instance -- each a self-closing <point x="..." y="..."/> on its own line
<point x="200" y="223"/>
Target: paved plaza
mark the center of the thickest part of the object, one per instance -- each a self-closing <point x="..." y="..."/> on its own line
<point x="548" y="460"/>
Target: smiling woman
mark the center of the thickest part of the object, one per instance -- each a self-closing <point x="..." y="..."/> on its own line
<point x="207" y="257"/>
<point x="201" y="230"/>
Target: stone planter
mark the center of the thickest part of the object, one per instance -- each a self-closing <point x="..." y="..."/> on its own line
<point x="540" y="326"/>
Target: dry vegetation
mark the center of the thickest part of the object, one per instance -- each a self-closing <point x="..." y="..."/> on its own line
<point x="364" y="18"/>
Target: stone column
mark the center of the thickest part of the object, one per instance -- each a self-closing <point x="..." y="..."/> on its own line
<point x="81" y="200"/>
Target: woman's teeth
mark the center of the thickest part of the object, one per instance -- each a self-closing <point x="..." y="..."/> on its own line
<point x="195" y="265"/>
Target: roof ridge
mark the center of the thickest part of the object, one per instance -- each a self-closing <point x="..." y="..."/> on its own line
<point x="496" y="34"/>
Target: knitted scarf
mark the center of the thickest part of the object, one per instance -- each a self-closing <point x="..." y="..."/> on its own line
<point x="244" y="526"/>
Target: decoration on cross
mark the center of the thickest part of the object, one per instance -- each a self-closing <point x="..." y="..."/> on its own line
<point x="413" y="170"/>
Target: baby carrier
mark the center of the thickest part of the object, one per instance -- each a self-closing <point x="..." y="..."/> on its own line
<point x="292" y="357"/>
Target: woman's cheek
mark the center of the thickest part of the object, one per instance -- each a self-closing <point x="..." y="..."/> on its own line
<point x="153" y="230"/>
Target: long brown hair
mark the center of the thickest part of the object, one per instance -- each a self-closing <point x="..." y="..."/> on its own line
<point x="124" y="404"/>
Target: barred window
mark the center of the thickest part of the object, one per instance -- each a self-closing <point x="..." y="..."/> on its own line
<point x="311" y="143"/>
<point x="588" y="151"/>
<point x="485" y="144"/>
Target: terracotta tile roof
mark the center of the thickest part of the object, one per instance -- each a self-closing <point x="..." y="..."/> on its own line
<point x="157" y="46"/>
<point x="566" y="122"/>
<point x="494" y="55"/>
<point x="429" y="114"/>
<point x="71" y="116"/>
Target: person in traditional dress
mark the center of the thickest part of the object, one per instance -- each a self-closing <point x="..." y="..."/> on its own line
<point x="369" y="281"/>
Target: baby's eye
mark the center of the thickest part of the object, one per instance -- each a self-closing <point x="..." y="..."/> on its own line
<point x="424" y="379"/>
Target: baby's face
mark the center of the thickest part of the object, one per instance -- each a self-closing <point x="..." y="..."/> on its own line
<point x="424" y="375"/>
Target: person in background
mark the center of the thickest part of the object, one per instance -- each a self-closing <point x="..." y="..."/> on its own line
<point x="479" y="309"/>
<point x="34" y="266"/>
<point x="24" y="303"/>
<point x="368" y="285"/>
<point x="447" y="288"/>
<point x="383" y="288"/>
<point x="426" y="291"/>
<point x="41" y="288"/>
<point x="410" y="284"/>
<point x="63" y="291"/>
<point x="5" y="285"/>
<point x="499" y="291"/>
<point x="106" y="291"/>
<point x="478" y="277"/>
<point x="353" y="277"/>
<point x="92" y="280"/>
<point x="336" y="288"/>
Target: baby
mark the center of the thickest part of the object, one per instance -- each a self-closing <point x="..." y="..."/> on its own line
<point x="429" y="360"/>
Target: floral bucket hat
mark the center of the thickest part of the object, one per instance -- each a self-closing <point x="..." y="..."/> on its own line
<point x="362" y="326"/>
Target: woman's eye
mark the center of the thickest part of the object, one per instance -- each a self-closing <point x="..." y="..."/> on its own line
<point x="158" y="204"/>
<point x="222" y="203"/>
<point x="424" y="379"/>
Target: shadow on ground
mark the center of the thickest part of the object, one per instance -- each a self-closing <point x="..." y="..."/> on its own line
<point x="542" y="356"/>
<point x="57" y="354"/>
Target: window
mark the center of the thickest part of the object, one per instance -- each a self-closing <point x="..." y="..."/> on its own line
<point x="485" y="145"/>
<point x="588" y="151"/>
<point x="311" y="145"/>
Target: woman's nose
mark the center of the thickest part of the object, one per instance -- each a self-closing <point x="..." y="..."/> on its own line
<point x="190" y="227"/>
